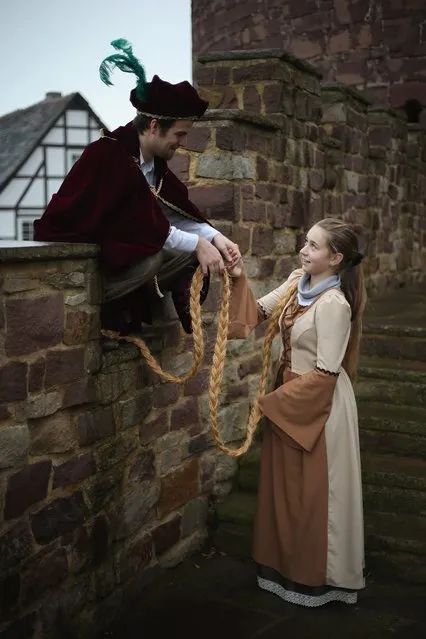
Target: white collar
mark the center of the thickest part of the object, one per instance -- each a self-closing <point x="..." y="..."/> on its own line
<point x="146" y="166"/>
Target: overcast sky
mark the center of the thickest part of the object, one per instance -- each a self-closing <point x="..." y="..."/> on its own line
<point x="57" y="45"/>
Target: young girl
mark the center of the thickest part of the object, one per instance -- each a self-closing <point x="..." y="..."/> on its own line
<point x="308" y="538"/>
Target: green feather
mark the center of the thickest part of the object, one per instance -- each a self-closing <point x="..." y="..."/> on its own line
<point x="126" y="62"/>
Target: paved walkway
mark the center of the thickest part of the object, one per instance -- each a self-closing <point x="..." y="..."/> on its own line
<point x="215" y="597"/>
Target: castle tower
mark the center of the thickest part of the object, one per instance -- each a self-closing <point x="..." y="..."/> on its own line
<point x="375" y="45"/>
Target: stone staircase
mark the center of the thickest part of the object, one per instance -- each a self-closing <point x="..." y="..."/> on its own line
<point x="391" y="395"/>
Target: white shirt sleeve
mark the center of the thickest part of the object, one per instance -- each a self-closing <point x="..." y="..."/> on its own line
<point x="184" y="233"/>
<point x="178" y="240"/>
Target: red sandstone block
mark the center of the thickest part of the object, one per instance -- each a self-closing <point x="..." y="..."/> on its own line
<point x="34" y="324"/>
<point x="95" y="425"/>
<point x="155" y="428"/>
<point x="13" y="381"/>
<point x="308" y="46"/>
<point x="185" y="414"/>
<point x="251" y="100"/>
<point x="179" y="487"/>
<point x="231" y="138"/>
<point x="198" y="384"/>
<point x="222" y="76"/>
<point x="166" y="535"/>
<point x="74" y="470"/>
<point x="179" y="164"/>
<point x="26" y="488"/>
<point x="58" y="518"/>
<point x="254" y="212"/>
<point x="278" y="216"/>
<point x="271" y="70"/>
<point x="351" y="72"/>
<point x="263" y="241"/>
<point x="273" y="99"/>
<point x="339" y="41"/>
<point x="204" y="76"/>
<point x="165" y="395"/>
<point x="380" y="137"/>
<point x="262" y="169"/>
<point x="80" y="392"/>
<point x="36" y="375"/>
<point x="307" y="7"/>
<point x="241" y="235"/>
<point x="64" y="366"/>
<point x="215" y="201"/>
<point x="198" y="138"/>
<point x="250" y="366"/>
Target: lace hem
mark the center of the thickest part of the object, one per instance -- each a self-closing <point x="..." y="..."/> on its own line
<point x="309" y="601"/>
<point x="323" y="370"/>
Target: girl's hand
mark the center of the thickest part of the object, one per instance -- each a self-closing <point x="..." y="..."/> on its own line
<point x="235" y="271"/>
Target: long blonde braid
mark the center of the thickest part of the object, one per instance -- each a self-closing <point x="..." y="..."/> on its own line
<point x="219" y="357"/>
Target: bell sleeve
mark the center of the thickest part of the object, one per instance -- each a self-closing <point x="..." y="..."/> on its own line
<point x="245" y="312"/>
<point x="300" y="407"/>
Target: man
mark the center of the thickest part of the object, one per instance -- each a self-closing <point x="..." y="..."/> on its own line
<point x="121" y="195"/>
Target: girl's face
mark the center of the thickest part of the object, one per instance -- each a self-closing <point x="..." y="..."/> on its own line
<point x="316" y="257"/>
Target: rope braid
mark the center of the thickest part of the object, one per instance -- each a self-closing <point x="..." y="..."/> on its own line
<point x="219" y="356"/>
<point x="197" y="336"/>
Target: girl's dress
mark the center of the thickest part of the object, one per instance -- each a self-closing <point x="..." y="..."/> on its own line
<point x="308" y="535"/>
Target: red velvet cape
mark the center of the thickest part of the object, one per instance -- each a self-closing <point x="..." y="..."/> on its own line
<point x="106" y="200"/>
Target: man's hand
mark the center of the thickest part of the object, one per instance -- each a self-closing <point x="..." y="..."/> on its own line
<point x="229" y="250"/>
<point x="209" y="257"/>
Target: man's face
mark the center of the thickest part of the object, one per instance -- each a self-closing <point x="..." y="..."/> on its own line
<point x="164" y="144"/>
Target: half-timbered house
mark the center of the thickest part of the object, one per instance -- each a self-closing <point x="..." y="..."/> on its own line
<point x="38" y="146"/>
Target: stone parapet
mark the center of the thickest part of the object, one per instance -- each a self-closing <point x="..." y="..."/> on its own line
<point x="105" y="472"/>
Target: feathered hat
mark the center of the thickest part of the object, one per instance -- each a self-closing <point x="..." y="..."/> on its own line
<point x="156" y="99"/>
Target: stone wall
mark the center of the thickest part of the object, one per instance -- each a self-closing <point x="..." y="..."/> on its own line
<point x="105" y="473"/>
<point x="334" y="155"/>
<point x="379" y="45"/>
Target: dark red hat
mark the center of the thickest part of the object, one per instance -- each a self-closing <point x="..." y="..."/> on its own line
<point x="157" y="99"/>
<point x="172" y="101"/>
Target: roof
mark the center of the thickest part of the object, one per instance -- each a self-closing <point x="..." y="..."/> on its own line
<point x="22" y="130"/>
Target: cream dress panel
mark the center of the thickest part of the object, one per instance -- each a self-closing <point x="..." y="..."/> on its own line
<point x="330" y="315"/>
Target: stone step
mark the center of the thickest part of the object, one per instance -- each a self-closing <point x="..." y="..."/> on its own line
<point x="394" y="500"/>
<point x="395" y="566"/>
<point x="391" y="392"/>
<point x="394" y="342"/>
<point x="390" y="531"/>
<point x="383" y="531"/>
<point x="394" y="545"/>
<point x="390" y="483"/>
<point x="410" y="420"/>
<point x="238" y="508"/>
<point x="392" y="471"/>
<point x="394" y="329"/>
<point x="398" y="430"/>
<point x="399" y="370"/>
<point x="379" y="441"/>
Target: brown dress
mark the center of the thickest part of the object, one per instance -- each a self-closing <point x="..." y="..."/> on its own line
<point x="308" y="537"/>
